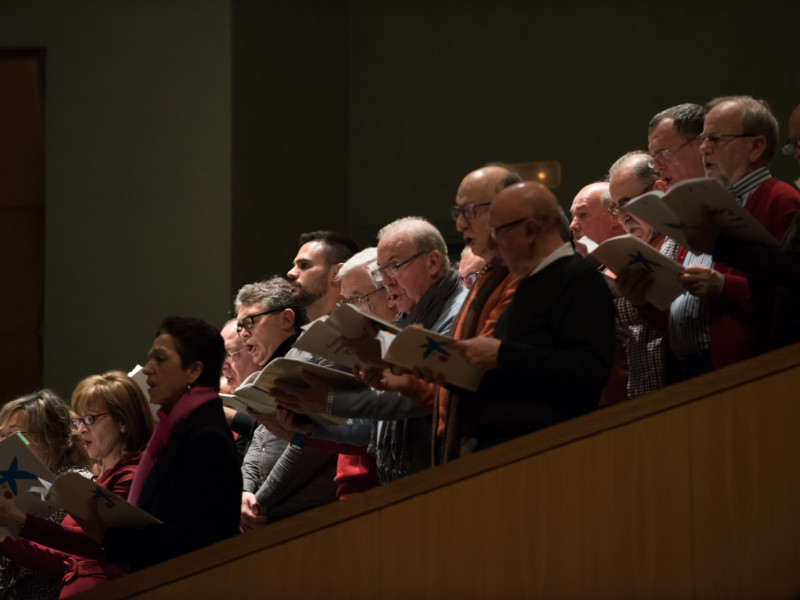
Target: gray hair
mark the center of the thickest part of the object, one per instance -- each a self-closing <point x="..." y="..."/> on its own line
<point x="687" y="120"/>
<point x="644" y="173"/>
<point x="273" y="294"/>
<point x="367" y="260"/>
<point x="757" y="119"/>
<point x="424" y="236"/>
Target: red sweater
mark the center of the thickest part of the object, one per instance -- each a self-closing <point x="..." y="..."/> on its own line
<point x="63" y="550"/>
<point x="734" y="322"/>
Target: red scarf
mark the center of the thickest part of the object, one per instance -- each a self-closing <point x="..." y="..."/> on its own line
<point x="186" y="405"/>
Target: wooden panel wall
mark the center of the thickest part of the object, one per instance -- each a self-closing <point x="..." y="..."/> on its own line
<point x="688" y="493"/>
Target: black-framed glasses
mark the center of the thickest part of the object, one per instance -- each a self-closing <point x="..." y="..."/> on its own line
<point x="662" y="155"/>
<point x="88" y="420"/>
<point x="359" y="300"/>
<point x="470" y="211"/>
<point x="723" y="138"/>
<point x="493" y="231"/>
<point x="392" y="270"/>
<point x="250" y="320"/>
<point x="789" y="147"/>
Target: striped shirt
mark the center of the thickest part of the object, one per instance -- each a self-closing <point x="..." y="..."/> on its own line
<point x="744" y="188"/>
<point x="688" y="318"/>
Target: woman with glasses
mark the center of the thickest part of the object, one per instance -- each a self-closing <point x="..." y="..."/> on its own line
<point x="188" y="476"/>
<point x="114" y="421"/>
<point x="44" y="420"/>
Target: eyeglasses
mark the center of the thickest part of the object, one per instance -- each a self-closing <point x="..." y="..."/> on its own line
<point x="232" y="355"/>
<point x="661" y="155"/>
<point x="250" y="320"/>
<point x="88" y="420"/>
<point x="392" y="270"/>
<point x="470" y="211"/>
<point x="722" y="139"/>
<point x="493" y="231"/>
<point x="359" y="300"/>
<point x="615" y="207"/>
<point x="789" y="147"/>
<point x="10" y="433"/>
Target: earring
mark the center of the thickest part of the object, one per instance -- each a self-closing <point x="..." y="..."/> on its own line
<point x="123" y="429"/>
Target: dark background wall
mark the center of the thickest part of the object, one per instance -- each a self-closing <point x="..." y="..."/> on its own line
<point x="189" y="143"/>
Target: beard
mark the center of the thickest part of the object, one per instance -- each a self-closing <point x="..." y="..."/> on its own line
<point x="309" y="294"/>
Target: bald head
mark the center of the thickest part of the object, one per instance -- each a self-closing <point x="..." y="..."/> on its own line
<point x="590" y="216"/>
<point x="478" y="190"/>
<point x="528" y="226"/>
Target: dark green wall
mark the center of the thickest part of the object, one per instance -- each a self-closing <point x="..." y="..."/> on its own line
<point x="190" y="142"/>
<point x="138" y="172"/>
<point x="439" y="88"/>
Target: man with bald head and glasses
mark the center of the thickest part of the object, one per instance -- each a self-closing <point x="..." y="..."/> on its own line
<point x="490" y="293"/>
<point x="590" y="216"/>
<point x="551" y="351"/>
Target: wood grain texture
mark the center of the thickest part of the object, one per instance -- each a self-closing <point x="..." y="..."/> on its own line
<point x="688" y="492"/>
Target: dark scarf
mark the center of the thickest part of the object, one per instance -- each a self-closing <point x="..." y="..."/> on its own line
<point x="390" y="447"/>
<point x="429" y="308"/>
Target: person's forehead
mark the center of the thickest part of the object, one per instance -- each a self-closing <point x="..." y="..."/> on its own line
<point x="588" y="200"/>
<point x="250" y="309"/>
<point x="16" y="417"/>
<point x="229" y="331"/>
<point x="473" y="190"/>
<point x="395" y="246"/>
<point x="723" y="116"/>
<point x="622" y="182"/>
<point x="509" y="203"/>
<point x="164" y="342"/>
<point x="663" y="136"/>
<point x="312" y="252"/>
<point x="357" y="283"/>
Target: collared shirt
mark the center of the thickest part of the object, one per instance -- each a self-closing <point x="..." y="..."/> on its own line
<point x="744" y="188"/>
<point x="560" y="252"/>
<point x="688" y="316"/>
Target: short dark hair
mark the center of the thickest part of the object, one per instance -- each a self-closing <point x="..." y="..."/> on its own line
<point x="337" y="247"/>
<point x="687" y="120"/>
<point x="196" y="340"/>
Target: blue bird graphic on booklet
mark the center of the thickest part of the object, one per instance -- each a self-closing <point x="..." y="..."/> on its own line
<point x="13" y="474"/>
<point x="639" y="259"/>
<point x="432" y="346"/>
